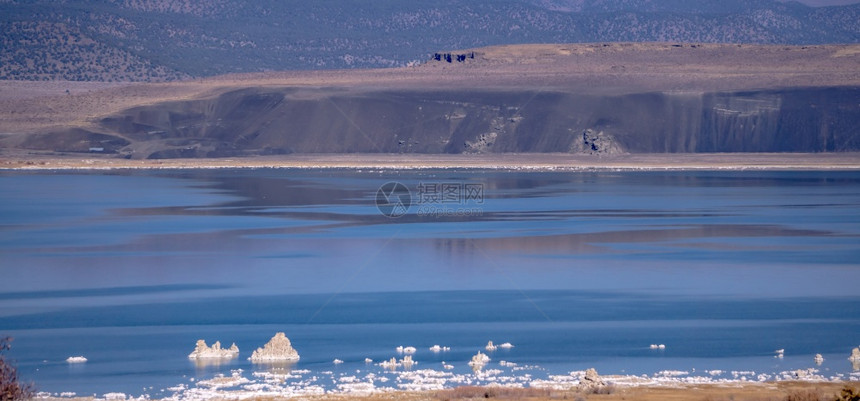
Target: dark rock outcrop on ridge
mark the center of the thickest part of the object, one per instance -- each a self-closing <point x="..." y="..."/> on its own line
<point x="265" y="121"/>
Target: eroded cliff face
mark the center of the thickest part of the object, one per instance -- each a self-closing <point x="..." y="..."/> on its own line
<point x="255" y="121"/>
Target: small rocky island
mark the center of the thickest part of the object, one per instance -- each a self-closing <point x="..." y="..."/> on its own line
<point x="278" y="349"/>
<point x="202" y="351"/>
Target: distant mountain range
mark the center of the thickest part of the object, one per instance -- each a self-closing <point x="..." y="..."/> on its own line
<point x="143" y="40"/>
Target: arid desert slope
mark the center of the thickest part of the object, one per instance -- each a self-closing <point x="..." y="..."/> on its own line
<point x="589" y="99"/>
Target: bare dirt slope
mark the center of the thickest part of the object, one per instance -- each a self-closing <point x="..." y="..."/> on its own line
<point x="583" y="98"/>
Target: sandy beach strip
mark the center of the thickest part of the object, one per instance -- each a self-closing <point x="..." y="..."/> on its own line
<point x="516" y="162"/>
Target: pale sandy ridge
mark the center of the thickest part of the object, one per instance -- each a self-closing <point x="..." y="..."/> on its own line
<point x="583" y="67"/>
<point x="528" y="161"/>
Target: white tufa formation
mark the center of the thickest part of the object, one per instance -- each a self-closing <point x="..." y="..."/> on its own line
<point x="278" y="349"/>
<point x="479" y="360"/>
<point x="591" y="381"/>
<point x="490" y="347"/>
<point x="201" y="351"/>
<point x="76" y="359"/>
<point x="819" y="359"/>
<point x="390" y="364"/>
<point x="405" y="350"/>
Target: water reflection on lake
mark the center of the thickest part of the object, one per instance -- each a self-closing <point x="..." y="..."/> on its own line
<point x="578" y="269"/>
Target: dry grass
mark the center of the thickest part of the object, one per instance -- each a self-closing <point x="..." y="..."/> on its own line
<point x="31" y="106"/>
<point x="503" y="393"/>
<point x="806" y="395"/>
<point x="782" y="391"/>
<point x="11" y="389"/>
<point x="849" y="393"/>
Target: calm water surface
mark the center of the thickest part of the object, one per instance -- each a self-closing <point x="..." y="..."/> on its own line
<point x="576" y="269"/>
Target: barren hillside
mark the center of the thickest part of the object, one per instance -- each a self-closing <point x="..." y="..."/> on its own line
<point x="578" y="98"/>
<point x="158" y="40"/>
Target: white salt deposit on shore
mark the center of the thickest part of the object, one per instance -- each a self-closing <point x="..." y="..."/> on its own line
<point x="672" y="373"/>
<point x="523" y="162"/>
<point x="395" y="374"/>
<point x="298" y="383"/>
<point x="221" y="381"/>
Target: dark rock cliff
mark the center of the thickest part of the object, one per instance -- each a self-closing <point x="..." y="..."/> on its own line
<point x="255" y="121"/>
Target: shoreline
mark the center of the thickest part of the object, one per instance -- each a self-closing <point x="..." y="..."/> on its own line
<point x="506" y="380"/>
<point x="502" y="162"/>
<point x="736" y="390"/>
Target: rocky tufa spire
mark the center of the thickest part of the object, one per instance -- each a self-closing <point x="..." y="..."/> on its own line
<point x="278" y="349"/>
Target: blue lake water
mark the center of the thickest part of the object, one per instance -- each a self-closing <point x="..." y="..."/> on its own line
<point x="576" y="269"/>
